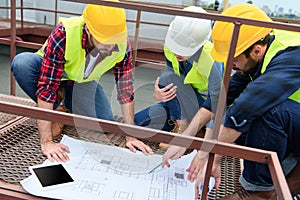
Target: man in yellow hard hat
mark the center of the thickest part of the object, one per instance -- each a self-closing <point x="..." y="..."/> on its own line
<point x="76" y="54"/>
<point x="182" y="89"/>
<point x="263" y="99"/>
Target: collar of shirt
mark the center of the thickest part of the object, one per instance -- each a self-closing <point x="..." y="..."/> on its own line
<point x="195" y="56"/>
<point x="84" y="38"/>
<point x="186" y="66"/>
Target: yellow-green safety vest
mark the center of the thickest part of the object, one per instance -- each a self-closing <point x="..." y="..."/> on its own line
<point x="75" y="55"/>
<point x="199" y="73"/>
<point x="283" y="39"/>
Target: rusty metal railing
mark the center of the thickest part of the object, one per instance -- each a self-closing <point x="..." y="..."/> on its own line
<point x="15" y="43"/>
<point x="267" y="157"/>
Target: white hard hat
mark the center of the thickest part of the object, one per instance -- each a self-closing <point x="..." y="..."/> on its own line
<point x="186" y="35"/>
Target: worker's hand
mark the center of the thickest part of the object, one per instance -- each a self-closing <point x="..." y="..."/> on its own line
<point x="173" y="153"/>
<point x="55" y="151"/>
<point x="197" y="170"/>
<point x="197" y="166"/>
<point x="133" y="144"/>
<point x="164" y="94"/>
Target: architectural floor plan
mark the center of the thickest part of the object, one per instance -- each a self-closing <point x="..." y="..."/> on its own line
<point x="109" y="173"/>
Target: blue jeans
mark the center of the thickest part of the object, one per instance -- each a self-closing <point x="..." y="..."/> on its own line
<point x="86" y="98"/>
<point x="276" y="130"/>
<point x="184" y="106"/>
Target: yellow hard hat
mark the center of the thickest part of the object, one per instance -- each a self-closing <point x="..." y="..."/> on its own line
<point x="248" y="35"/>
<point x="106" y="24"/>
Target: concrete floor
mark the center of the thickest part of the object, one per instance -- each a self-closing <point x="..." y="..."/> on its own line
<point x="5" y="71"/>
<point x="144" y="80"/>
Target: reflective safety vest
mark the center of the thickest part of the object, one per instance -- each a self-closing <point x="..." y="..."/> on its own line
<point x="75" y="55"/>
<point x="199" y="73"/>
<point x="283" y="40"/>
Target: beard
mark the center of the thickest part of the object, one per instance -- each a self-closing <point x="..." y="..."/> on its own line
<point x="251" y="67"/>
<point x="104" y="52"/>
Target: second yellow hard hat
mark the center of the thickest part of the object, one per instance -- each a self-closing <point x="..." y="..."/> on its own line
<point x="222" y="31"/>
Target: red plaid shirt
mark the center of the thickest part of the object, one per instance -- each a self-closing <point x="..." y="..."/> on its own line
<point x="53" y="66"/>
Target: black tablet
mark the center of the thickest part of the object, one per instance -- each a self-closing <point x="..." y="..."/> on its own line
<point x="51" y="176"/>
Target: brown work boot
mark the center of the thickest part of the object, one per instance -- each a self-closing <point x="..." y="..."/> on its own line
<point x="178" y="129"/>
<point x="243" y="194"/>
<point x="57" y="127"/>
<point x="293" y="179"/>
<point x="201" y="133"/>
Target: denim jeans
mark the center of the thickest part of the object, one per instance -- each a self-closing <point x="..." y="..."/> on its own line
<point x="276" y="130"/>
<point x="86" y="98"/>
<point x="184" y="106"/>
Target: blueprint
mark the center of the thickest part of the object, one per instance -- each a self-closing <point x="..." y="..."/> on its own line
<point x="111" y="173"/>
<point x="105" y="158"/>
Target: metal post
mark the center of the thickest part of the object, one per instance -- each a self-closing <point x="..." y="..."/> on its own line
<point x="12" y="43"/>
<point x="136" y="36"/>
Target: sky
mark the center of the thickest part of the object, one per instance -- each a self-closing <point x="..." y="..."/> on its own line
<point x="286" y="4"/>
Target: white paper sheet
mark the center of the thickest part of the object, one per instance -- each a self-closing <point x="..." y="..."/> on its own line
<point x="110" y="173"/>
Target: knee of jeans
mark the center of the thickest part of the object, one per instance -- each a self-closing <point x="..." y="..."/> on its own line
<point x="140" y="120"/>
<point x="17" y="64"/>
<point x="167" y="78"/>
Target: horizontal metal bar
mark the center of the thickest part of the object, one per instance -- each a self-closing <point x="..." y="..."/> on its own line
<point x="154" y="135"/>
<point x="4" y="41"/>
<point x="165" y="9"/>
<point x="28" y="44"/>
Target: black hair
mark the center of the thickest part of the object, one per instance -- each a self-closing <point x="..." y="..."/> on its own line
<point x="262" y="41"/>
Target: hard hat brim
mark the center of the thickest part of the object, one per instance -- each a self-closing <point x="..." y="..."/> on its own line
<point x="180" y="50"/>
<point x="115" y="39"/>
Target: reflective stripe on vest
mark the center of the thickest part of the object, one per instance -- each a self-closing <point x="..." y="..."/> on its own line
<point x="75" y="55"/>
<point x="282" y="41"/>
<point x="199" y="73"/>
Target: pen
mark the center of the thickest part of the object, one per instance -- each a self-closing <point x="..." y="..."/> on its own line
<point x="152" y="170"/>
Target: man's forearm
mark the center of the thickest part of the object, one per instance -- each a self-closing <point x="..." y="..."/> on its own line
<point x="199" y="120"/>
<point x="228" y="135"/>
<point x="128" y="112"/>
<point x="44" y="127"/>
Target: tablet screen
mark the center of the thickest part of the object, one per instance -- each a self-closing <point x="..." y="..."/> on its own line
<point x="52" y="175"/>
